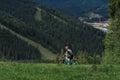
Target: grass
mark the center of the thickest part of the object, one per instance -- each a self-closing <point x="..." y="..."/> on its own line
<point x="41" y="71"/>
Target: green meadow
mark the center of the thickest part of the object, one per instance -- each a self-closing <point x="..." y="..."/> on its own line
<point x="42" y="71"/>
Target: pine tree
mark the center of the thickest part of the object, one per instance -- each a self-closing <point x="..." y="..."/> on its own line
<point x="112" y="41"/>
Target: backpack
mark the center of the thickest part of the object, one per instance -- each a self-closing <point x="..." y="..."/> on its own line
<point x="70" y="52"/>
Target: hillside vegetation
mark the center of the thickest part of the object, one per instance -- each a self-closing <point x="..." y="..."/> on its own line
<point x="13" y="48"/>
<point x="48" y="28"/>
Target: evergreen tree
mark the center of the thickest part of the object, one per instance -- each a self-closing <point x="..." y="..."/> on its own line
<point x="112" y="41"/>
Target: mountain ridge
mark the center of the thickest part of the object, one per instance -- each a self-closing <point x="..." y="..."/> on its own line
<point x="79" y="8"/>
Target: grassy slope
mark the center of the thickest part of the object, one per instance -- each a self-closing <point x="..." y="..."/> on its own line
<point x="36" y="71"/>
<point x="46" y="54"/>
<point x="38" y="14"/>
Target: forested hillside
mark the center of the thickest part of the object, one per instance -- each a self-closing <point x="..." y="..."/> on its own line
<point x="80" y="8"/>
<point x="49" y="28"/>
<point x="13" y="48"/>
